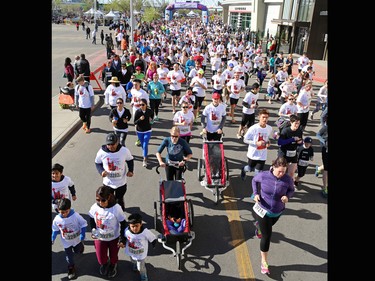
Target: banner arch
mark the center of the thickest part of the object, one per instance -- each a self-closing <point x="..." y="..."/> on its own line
<point x="186" y="5"/>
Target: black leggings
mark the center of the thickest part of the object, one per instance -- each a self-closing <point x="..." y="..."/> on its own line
<point x="173" y="173"/>
<point x="154" y="104"/>
<point x="119" y="195"/>
<point x="265" y="226"/>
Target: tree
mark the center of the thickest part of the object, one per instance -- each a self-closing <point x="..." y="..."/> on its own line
<point x="151" y="14"/>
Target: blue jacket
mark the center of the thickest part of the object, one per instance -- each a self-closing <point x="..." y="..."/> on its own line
<point x="175" y="152"/>
<point x="272" y="189"/>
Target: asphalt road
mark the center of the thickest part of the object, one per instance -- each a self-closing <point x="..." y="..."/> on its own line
<point x="225" y="248"/>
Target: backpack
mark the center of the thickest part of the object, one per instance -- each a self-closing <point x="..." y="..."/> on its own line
<point x="281" y="123"/>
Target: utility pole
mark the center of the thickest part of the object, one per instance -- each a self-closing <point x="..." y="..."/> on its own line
<point x="131" y="23"/>
<point x="94" y="12"/>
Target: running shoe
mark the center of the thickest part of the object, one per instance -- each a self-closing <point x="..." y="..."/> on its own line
<point x="112" y="270"/>
<point x="138" y="143"/>
<point x="144" y="277"/>
<point x="71" y="272"/>
<point x="264" y="268"/>
<point x="325" y="192"/>
<point x="152" y="122"/>
<point x="317" y="171"/>
<point x="156" y="118"/>
<point x="258" y="233"/>
<point x="243" y="174"/>
<point x="144" y="164"/>
<point x="103" y="269"/>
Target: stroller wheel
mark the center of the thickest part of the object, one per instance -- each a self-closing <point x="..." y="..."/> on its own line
<point x="178" y="254"/>
<point x="200" y="169"/>
<point x="217" y="194"/>
<point x="155" y="217"/>
<point x="191" y="212"/>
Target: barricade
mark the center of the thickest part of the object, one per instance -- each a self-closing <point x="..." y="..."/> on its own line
<point x="93" y="77"/>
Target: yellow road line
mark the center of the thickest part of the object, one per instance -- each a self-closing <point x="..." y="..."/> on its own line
<point x="244" y="266"/>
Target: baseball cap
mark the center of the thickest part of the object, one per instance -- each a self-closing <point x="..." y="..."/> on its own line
<point x="307" y="140"/>
<point x="138" y="67"/>
<point x="231" y="65"/>
<point x="201" y="71"/>
<point x="111" y="138"/>
<point x="216" y="95"/>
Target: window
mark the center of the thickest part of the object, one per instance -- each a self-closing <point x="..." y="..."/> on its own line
<point x="305" y="10"/>
<point x="287" y="9"/>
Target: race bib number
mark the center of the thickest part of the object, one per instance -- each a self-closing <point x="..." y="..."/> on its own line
<point x="71" y="236"/>
<point x="107" y="235"/>
<point x="114" y="174"/>
<point x="303" y="162"/>
<point x="291" y="153"/>
<point x="259" y="210"/>
<point x="136" y="251"/>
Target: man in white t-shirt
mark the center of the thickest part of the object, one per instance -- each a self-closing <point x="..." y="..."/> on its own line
<point x="115" y="163"/>
<point x="213" y="118"/>
<point x="249" y="104"/>
<point x="235" y="87"/>
<point x="258" y="138"/>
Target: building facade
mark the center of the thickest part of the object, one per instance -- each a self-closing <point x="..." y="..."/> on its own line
<point x="303" y="27"/>
<point x="297" y="25"/>
<point x="253" y="15"/>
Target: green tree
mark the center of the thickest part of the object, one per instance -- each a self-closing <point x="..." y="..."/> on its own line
<point x="151" y="14"/>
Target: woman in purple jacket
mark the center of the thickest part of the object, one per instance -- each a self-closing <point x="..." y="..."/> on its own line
<point x="272" y="190"/>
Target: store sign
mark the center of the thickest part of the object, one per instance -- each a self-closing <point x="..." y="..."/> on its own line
<point x="240" y="9"/>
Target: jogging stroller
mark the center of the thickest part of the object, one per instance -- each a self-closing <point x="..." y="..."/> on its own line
<point x="173" y="217"/>
<point x="213" y="172"/>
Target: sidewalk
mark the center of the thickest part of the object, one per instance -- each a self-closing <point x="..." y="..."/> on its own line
<point x="320" y="66"/>
<point x="65" y="121"/>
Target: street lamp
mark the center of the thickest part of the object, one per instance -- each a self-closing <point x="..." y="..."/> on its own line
<point x="131" y="23"/>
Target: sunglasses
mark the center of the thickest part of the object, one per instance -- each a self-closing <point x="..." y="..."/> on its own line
<point x="290" y="99"/>
<point x="172" y="136"/>
<point x="101" y="200"/>
<point x="185" y="107"/>
<point x="119" y="102"/>
<point x="141" y="104"/>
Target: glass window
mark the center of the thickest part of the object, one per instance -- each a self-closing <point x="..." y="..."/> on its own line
<point x="294" y="10"/>
<point x="287" y="9"/>
<point x="305" y="10"/>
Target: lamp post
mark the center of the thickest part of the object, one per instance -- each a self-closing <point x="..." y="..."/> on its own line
<point x="131" y="23"/>
<point x="94" y="13"/>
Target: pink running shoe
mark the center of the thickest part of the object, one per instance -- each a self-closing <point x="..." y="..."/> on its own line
<point x="258" y="234"/>
<point x="264" y="268"/>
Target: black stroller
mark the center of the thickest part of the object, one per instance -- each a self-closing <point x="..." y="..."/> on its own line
<point x="174" y="206"/>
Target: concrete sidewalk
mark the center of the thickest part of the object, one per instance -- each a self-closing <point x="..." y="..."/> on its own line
<point x="65" y="121"/>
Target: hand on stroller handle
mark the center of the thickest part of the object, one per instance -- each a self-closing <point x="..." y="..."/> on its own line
<point x="203" y="134"/>
<point x="176" y="164"/>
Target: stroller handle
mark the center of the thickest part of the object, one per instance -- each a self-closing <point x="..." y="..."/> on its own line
<point x="183" y="167"/>
<point x="204" y="137"/>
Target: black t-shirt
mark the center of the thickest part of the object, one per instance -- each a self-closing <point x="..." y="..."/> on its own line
<point x="288" y="133"/>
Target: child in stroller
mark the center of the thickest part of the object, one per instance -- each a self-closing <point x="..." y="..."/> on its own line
<point x="175" y="218"/>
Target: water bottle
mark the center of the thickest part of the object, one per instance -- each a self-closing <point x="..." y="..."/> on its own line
<point x="94" y="233"/>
